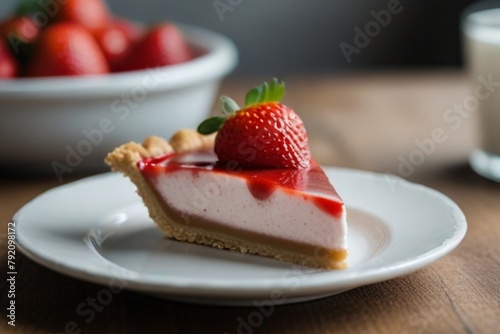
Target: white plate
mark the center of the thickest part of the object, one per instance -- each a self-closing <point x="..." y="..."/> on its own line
<point x="97" y="229"/>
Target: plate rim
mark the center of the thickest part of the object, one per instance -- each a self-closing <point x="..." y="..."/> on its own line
<point x="315" y="286"/>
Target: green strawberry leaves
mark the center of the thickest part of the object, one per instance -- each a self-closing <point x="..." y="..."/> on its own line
<point x="211" y="125"/>
<point x="228" y="105"/>
<point x="266" y="92"/>
<point x="27" y="7"/>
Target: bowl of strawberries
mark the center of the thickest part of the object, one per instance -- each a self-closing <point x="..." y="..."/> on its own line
<point x="75" y="82"/>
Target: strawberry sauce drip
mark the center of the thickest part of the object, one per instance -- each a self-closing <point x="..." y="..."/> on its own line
<point x="261" y="189"/>
<point x="328" y="206"/>
<point x="261" y="182"/>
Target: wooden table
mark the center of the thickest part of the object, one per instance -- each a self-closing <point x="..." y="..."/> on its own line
<point x="365" y="121"/>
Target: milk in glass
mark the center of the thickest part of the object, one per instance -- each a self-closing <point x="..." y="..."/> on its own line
<point x="481" y="30"/>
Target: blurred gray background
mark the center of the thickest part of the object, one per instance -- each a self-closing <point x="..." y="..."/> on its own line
<point x="280" y="37"/>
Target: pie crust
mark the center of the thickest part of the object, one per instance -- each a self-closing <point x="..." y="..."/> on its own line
<point x="125" y="159"/>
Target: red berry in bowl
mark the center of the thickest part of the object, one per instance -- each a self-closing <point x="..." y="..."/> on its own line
<point x="114" y="45"/>
<point x="66" y="49"/>
<point x="20" y="27"/>
<point x="161" y="46"/>
<point x="93" y="15"/>
<point x="8" y="64"/>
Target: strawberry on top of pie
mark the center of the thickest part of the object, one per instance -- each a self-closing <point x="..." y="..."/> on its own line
<point x="245" y="182"/>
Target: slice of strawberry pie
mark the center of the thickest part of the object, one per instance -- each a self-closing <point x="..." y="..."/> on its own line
<point x="244" y="181"/>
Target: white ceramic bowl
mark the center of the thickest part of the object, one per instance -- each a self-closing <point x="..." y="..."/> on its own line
<point x="69" y="124"/>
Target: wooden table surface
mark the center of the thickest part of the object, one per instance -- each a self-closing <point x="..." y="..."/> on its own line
<point x="368" y="121"/>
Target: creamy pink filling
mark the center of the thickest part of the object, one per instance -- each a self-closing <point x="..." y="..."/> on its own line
<point x="285" y="214"/>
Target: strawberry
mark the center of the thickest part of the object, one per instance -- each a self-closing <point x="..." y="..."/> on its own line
<point x="161" y="46"/>
<point x="114" y="44"/>
<point x="20" y="27"/>
<point x="66" y="49"/>
<point x="20" y="32"/>
<point x="91" y="14"/>
<point x="264" y="134"/>
<point x="8" y="64"/>
<point x="116" y="40"/>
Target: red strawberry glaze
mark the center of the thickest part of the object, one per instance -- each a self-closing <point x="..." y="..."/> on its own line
<point x="311" y="182"/>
